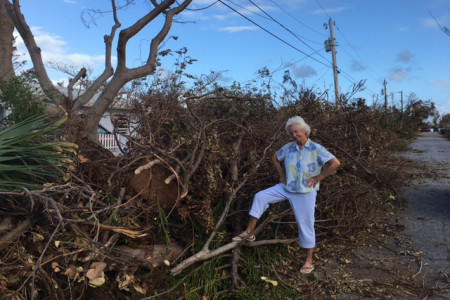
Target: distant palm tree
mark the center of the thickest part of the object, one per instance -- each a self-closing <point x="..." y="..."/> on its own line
<point x="30" y="156"/>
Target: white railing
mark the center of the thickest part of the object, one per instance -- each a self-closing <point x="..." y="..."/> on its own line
<point x="108" y="141"/>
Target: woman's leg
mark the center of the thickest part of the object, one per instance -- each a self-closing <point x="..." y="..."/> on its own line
<point x="308" y="265"/>
<point x="260" y="204"/>
<point x="303" y="206"/>
<point x="250" y="227"/>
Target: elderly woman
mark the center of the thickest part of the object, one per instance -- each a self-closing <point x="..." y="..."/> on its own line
<point x="306" y="163"/>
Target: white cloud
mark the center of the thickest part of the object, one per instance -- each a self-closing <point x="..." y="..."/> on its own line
<point x="54" y="50"/>
<point x="431" y="22"/>
<point x="46" y="41"/>
<point x="70" y="1"/>
<point x="244" y="11"/>
<point x="223" y="17"/>
<point x="203" y="2"/>
<point x="303" y="71"/>
<point x="237" y="28"/>
<point x="444" y="107"/>
<point x="440" y="82"/>
<point x="253" y="9"/>
<point x="334" y="10"/>
<point x="405" y="56"/>
<point x="357" y="66"/>
<point x="75" y="59"/>
<point x="398" y="73"/>
<point x="195" y="15"/>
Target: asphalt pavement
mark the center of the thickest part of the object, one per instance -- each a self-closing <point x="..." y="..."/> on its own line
<point x="427" y="214"/>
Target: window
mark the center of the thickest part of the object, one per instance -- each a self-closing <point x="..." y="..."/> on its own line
<point x="121" y="124"/>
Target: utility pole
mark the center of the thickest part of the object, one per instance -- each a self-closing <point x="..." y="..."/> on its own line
<point x="330" y="45"/>
<point x="401" y="101"/>
<point x="384" y="92"/>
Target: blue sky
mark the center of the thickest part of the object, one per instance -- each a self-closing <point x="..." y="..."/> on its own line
<point x="396" y="40"/>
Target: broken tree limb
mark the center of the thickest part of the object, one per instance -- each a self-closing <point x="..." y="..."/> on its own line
<point x="147" y="166"/>
<point x="205" y="253"/>
<point x="13" y="234"/>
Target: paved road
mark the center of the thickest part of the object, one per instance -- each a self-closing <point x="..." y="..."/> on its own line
<point x="427" y="216"/>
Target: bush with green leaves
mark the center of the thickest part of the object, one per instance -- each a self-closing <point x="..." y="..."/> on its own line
<point x="30" y="155"/>
<point x="20" y="98"/>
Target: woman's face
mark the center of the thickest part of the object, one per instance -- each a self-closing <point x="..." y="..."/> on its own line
<point x="298" y="134"/>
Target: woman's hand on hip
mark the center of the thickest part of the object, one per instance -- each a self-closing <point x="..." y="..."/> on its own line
<point x="313" y="181"/>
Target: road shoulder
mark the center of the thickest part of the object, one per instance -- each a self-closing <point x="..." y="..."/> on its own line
<point x="410" y="257"/>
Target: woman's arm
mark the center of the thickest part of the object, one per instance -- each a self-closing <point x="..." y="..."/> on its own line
<point x="329" y="169"/>
<point x="279" y="168"/>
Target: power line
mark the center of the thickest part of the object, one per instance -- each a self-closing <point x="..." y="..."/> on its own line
<point x="297" y="61"/>
<point x="348" y="77"/>
<point x="354" y="50"/>
<point x="324" y="11"/>
<point x="300" y="22"/>
<point x="345" y="74"/>
<point x="198" y="9"/>
<point x="238" y="5"/>
<point x="321" y="76"/>
<point x="275" y="36"/>
<point x="290" y="31"/>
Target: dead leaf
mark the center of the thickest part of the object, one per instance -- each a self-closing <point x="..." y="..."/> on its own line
<point x="55" y="267"/>
<point x="139" y="289"/>
<point x="82" y="158"/>
<point x="72" y="272"/>
<point x="130" y="233"/>
<point x="37" y="237"/>
<point x="273" y="282"/>
<point x="95" y="272"/>
<point x="97" y="282"/>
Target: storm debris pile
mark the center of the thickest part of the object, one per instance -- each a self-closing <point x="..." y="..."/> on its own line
<point x="120" y="224"/>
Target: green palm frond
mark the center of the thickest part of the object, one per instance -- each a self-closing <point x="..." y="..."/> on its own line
<point x="30" y="156"/>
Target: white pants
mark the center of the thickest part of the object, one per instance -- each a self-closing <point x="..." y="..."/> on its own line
<point x="302" y="204"/>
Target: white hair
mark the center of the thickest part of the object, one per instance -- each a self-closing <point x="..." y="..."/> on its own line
<point x="300" y="123"/>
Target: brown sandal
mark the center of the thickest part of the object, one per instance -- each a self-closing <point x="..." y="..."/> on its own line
<point x="307" y="270"/>
<point x="249" y="238"/>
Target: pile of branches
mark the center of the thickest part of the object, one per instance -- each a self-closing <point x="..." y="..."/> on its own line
<point x="213" y="153"/>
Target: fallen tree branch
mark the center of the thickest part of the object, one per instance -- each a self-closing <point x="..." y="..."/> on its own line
<point x="10" y="236"/>
<point x="205" y="253"/>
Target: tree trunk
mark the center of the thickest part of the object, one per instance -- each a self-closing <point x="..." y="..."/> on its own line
<point x="6" y="45"/>
<point x="109" y="82"/>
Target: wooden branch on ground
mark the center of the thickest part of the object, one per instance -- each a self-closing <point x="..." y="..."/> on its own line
<point x="13" y="234"/>
<point x="205" y="253"/>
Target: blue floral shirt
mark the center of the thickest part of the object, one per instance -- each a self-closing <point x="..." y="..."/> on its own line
<point x="302" y="164"/>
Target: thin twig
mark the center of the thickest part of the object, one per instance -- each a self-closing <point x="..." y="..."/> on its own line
<point x="420" y="270"/>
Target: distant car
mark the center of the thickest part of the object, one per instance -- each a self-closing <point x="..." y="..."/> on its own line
<point x="442" y="131"/>
<point x="424" y="129"/>
<point x="431" y="130"/>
